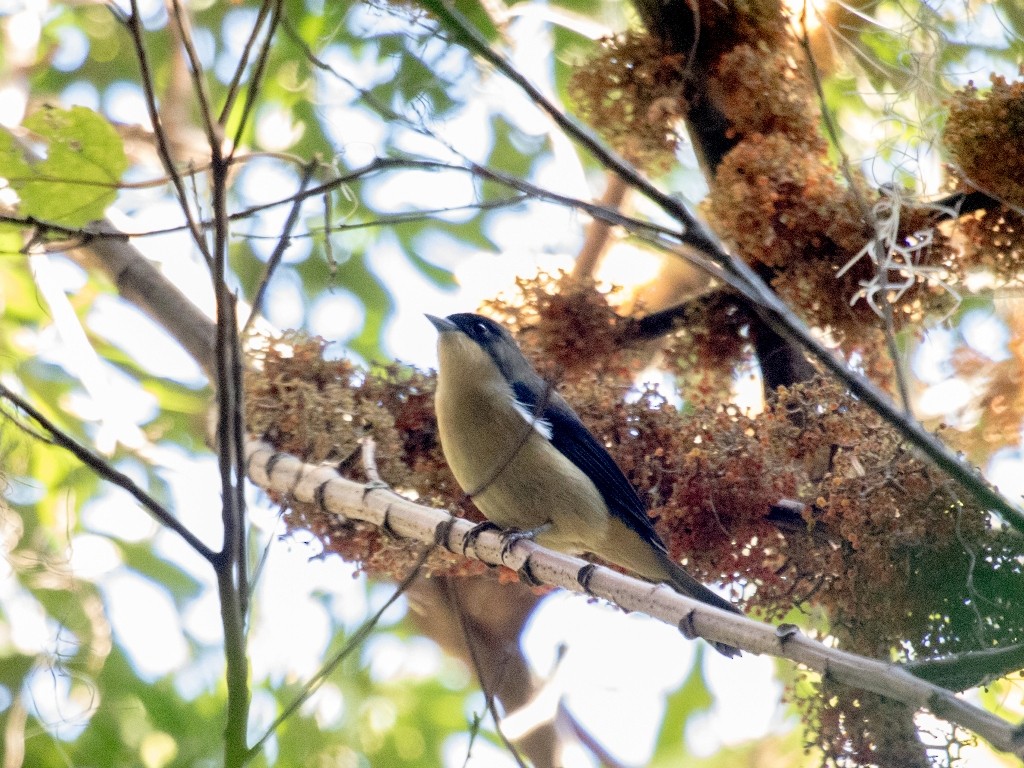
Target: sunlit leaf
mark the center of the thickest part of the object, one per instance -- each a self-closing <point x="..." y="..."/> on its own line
<point x="78" y="179"/>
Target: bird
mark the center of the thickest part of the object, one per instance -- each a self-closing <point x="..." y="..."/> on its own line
<point x="524" y="457"/>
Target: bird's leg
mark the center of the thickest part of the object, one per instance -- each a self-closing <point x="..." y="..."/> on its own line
<point x="474" y="533"/>
<point x="512" y="536"/>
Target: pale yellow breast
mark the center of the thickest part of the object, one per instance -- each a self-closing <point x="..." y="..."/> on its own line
<point x="517" y="478"/>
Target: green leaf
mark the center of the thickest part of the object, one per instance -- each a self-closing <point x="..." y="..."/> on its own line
<point x="12" y="159"/>
<point x="78" y="179"/>
<point x="692" y="697"/>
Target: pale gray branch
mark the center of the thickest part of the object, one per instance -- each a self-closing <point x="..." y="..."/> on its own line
<point x="324" y="487"/>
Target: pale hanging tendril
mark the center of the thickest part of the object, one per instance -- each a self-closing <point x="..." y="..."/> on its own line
<point x="898" y="264"/>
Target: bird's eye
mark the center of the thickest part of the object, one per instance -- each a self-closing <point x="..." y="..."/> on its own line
<point x="482" y="329"/>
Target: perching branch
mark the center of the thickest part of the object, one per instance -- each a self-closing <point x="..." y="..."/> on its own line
<point x="332" y="494"/>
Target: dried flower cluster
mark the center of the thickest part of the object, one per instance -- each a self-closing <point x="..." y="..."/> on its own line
<point x="765" y="92"/>
<point x="835" y="253"/>
<point x="996" y="414"/>
<point x="319" y="410"/>
<point x="874" y="539"/>
<point x="632" y="91"/>
<point x="708" y="345"/>
<point x="985" y="136"/>
<point x="566" y="326"/>
<point x="991" y="241"/>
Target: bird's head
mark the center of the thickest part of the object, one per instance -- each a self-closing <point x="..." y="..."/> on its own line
<point x="469" y="342"/>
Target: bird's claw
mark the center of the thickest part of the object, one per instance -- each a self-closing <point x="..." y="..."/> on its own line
<point x="584" y="575"/>
<point x="474" y="533"/>
<point x="512" y="536"/>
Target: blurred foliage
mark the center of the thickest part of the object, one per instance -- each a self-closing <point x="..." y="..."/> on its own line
<point x="78" y="175"/>
<point x="345" y="82"/>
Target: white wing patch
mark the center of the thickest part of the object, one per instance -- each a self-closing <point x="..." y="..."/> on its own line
<point x="543" y="426"/>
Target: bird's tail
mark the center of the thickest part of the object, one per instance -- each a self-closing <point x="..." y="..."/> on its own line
<point x="684" y="583"/>
<point x="648" y="559"/>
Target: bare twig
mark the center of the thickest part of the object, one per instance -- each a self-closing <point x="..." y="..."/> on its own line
<point x="283" y="241"/>
<point x="353" y="643"/>
<point x="866" y="211"/>
<point x="107" y="472"/>
<point x="596" y="239"/>
<point x="466" y="35"/>
<point x="256" y="80"/>
<point x="474" y="656"/>
<point x="91" y="232"/>
<point x="369" y="455"/>
<point x="243" y="63"/>
<point x="961" y="671"/>
<point x="140" y="282"/>
<point x="183" y="30"/>
<point x="133" y="22"/>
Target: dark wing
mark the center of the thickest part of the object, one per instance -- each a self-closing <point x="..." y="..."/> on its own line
<point x="584" y="450"/>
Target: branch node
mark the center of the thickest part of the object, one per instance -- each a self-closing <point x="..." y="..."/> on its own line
<point x="443" y="532"/>
<point x="527" y="576"/>
<point x="785" y="631"/>
<point x="319" y="495"/>
<point x="685" y="626"/>
<point x="374" y="485"/>
<point x="584" y="575"/>
<point x="385" y="525"/>
<point x="272" y="461"/>
<point x="469" y="541"/>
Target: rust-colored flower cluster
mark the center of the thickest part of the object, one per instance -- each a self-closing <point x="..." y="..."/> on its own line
<point x="566" y="326"/>
<point x="632" y="92"/>
<point x="814" y="504"/>
<point x="706" y="348"/>
<point x="985" y="135"/>
<point x="319" y="410"/>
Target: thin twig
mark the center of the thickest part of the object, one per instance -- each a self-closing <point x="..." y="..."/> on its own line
<point x="264" y="555"/>
<point x="536" y="419"/>
<point x="474" y="656"/>
<point x="90" y="232"/>
<point x="357" y="639"/>
<point x="133" y="22"/>
<point x="256" y="80"/>
<point x="283" y="241"/>
<point x="243" y="63"/>
<point x="369" y="456"/>
<point x="595" y="242"/>
<point x="107" y="472"/>
<point x="866" y="211"/>
<point x="470" y="38"/>
<point x="183" y="28"/>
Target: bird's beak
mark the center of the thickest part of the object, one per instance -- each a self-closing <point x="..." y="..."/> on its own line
<point x="442" y="325"/>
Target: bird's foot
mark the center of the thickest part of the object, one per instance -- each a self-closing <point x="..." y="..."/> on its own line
<point x="513" y="536"/>
<point x="474" y="533"/>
